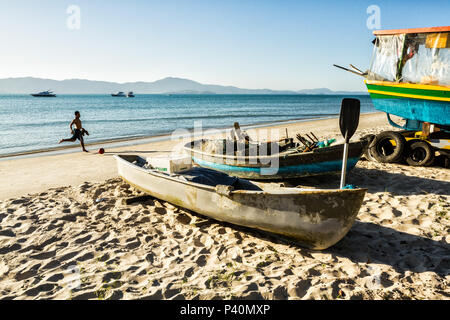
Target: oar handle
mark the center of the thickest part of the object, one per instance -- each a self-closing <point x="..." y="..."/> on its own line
<point x="358" y="73"/>
<point x="344" y="162"/>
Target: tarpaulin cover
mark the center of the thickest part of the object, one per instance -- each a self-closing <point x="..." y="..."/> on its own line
<point x="387" y="52"/>
<point x="427" y="59"/>
<point x="213" y="178"/>
<point x="422" y="58"/>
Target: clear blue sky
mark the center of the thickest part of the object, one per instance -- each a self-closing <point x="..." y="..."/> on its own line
<point x="251" y="44"/>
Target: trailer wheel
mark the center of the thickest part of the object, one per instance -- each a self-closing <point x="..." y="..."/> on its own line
<point x="419" y="153"/>
<point x="382" y="149"/>
<point x="367" y="153"/>
<point x="369" y="156"/>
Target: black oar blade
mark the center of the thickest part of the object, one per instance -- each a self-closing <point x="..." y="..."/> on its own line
<point x="349" y="118"/>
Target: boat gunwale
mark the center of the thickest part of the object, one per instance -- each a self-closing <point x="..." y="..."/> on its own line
<point x="411" y="30"/>
<point x="407" y="85"/>
<point x="381" y="93"/>
<point x="293" y="191"/>
<point x="283" y="155"/>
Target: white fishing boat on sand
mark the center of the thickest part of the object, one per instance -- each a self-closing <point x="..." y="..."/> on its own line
<point x="314" y="218"/>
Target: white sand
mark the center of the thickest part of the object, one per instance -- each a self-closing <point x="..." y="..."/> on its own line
<point x="60" y="243"/>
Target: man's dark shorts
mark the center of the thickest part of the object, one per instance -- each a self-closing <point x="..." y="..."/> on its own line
<point x="77" y="134"/>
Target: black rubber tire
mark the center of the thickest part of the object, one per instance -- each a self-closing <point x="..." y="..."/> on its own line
<point x="383" y="151"/>
<point x="367" y="153"/>
<point x="419" y="153"/>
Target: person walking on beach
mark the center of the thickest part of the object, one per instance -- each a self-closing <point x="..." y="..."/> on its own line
<point x="78" y="133"/>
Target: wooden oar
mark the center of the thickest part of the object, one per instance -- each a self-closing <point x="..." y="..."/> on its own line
<point x="317" y="140"/>
<point x="348" y="123"/>
<point x="343" y="68"/>
<point x="362" y="73"/>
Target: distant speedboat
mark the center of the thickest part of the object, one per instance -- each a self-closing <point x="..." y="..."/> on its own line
<point x="130" y="94"/>
<point x="118" y="94"/>
<point x="47" y="93"/>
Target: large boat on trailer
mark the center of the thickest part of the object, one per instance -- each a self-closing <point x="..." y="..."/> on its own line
<point x="409" y="77"/>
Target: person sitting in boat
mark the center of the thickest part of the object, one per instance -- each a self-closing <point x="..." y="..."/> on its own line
<point x="78" y="133"/>
<point x="238" y="134"/>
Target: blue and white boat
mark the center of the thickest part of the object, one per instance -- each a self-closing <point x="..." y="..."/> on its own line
<point x="256" y="161"/>
<point x="44" y="94"/>
<point x="119" y="94"/>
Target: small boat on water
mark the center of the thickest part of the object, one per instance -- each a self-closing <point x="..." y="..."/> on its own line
<point x="315" y="218"/>
<point x="254" y="160"/>
<point x="130" y="94"/>
<point x="118" y="94"/>
<point x="44" y="94"/>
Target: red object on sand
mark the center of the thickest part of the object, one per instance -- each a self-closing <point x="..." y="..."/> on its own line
<point x="101" y="151"/>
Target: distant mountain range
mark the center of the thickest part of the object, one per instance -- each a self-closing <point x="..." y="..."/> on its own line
<point x="164" y="86"/>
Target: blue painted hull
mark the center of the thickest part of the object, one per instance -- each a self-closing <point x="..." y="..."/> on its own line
<point x="299" y="170"/>
<point x="416" y="109"/>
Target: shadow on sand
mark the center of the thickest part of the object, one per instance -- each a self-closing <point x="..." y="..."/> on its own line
<point x="366" y="242"/>
<point x="372" y="243"/>
<point x="135" y="151"/>
<point x="378" y="181"/>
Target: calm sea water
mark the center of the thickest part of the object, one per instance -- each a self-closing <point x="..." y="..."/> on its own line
<point x="29" y="123"/>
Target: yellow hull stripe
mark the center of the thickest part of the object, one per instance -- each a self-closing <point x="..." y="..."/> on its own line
<point x="407" y="85"/>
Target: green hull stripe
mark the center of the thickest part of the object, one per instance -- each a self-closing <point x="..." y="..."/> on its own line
<point x="383" y="96"/>
<point x="419" y="92"/>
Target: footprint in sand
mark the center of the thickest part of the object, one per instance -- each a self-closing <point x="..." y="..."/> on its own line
<point x="160" y="210"/>
<point x="25" y="274"/>
<point x="170" y="293"/>
<point x="201" y="261"/>
<point x="83" y="239"/>
<point x="46" y="287"/>
<point x="85" y="296"/>
<point x="280" y="293"/>
<point x="134" y="244"/>
<point x="68" y="256"/>
<point x="52" y="265"/>
<point x="183" y="219"/>
<point x="85" y="257"/>
<point x="55" y="278"/>
<point x="115" y="275"/>
<point x="10" y="248"/>
<point x="7" y="233"/>
<point x="155" y="295"/>
<point x="301" y="288"/>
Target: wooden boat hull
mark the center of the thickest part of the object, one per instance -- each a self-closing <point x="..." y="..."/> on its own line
<point x="282" y="166"/>
<point x="316" y="219"/>
<point x="426" y="103"/>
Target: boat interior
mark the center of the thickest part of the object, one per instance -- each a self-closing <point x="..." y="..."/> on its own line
<point x="199" y="175"/>
<point x="250" y="148"/>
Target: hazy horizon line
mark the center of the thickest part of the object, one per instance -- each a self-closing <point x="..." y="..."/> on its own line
<point x="168" y="78"/>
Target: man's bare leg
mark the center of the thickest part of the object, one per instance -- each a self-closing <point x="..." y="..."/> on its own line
<point x="82" y="145"/>
<point x="66" y="140"/>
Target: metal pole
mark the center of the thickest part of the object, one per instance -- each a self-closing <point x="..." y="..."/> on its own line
<point x="344" y="164"/>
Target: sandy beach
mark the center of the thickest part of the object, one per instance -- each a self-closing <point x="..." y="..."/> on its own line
<point x="66" y="234"/>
